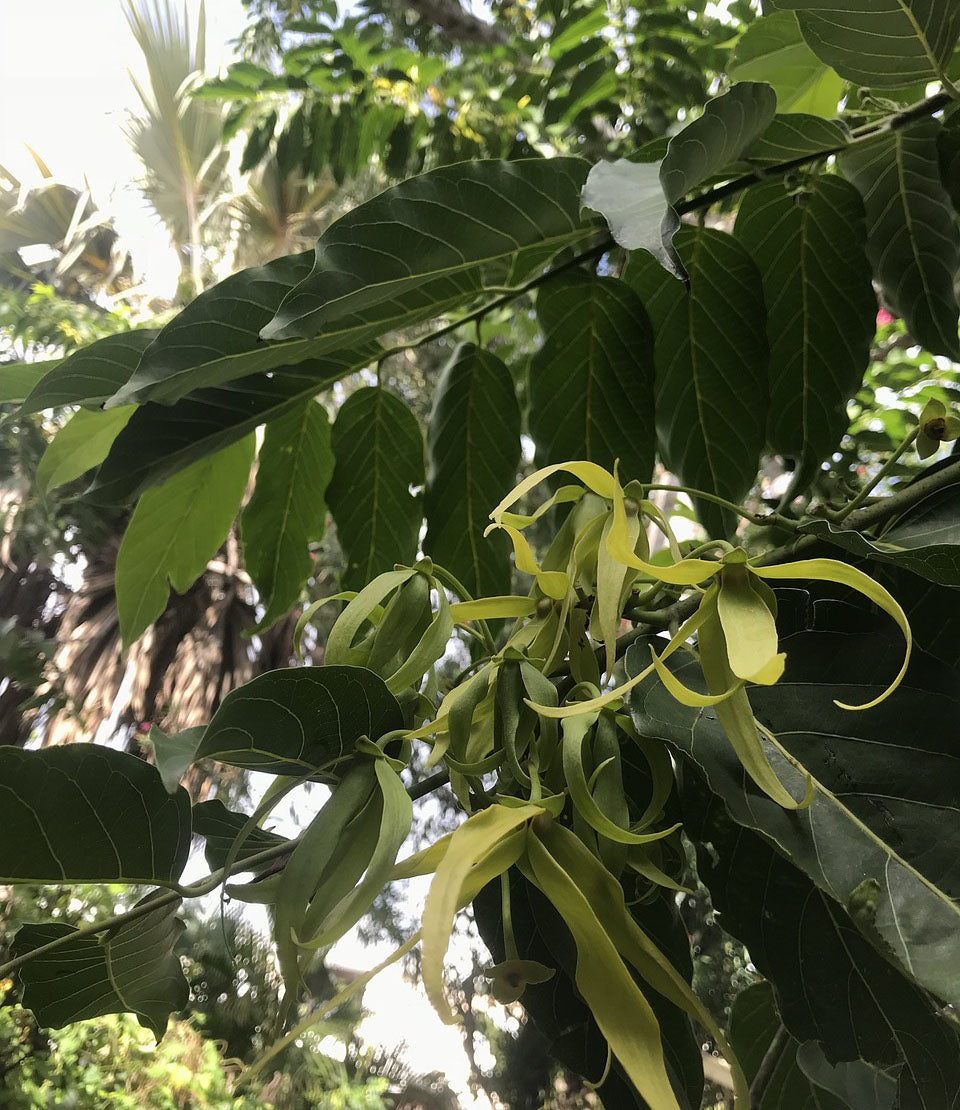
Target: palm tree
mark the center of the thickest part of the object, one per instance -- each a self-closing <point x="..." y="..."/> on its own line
<point x="179" y="139"/>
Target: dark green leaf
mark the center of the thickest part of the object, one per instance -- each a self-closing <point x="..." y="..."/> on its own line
<point x="216" y="337"/>
<point x="886" y="45"/>
<point x="85" y="813"/>
<point x="948" y="144"/>
<point x="924" y="540"/>
<point x="286" y="512"/>
<point x="302" y="720"/>
<point x="637" y="198"/>
<point x="591" y="384"/>
<point x="833" y="987"/>
<point x="913" y="241"/>
<point x="378" y="446"/>
<point x="93" y="374"/>
<point x="753" y="1025"/>
<point x="161" y="440"/>
<point x="130" y="969"/>
<point x="220" y="828"/>
<point x="797" y="136"/>
<point x="711" y="356"/>
<point x="821" y="311"/>
<point x="773" y="50"/>
<point x="887" y="782"/>
<point x="173" y="754"/>
<point x="473" y="447"/>
<point x="472" y="224"/>
<point x="174" y="532"/>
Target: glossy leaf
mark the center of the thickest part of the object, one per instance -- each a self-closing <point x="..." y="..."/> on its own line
<point x="132" y="968"/>
<point x="821" y="311"/>
<point x="462" y="226"/>
<point x="835" y="991"/>
<point x="378" y="448"/>
<point x="885" y="785"/>
<point x="286" y="512"/>
<point x="80" y="445"/>
<point x="174" y="532"/>
<point x="91" y="375"/>
<point x="711" y="366"/>
<point x="772" y="49"/>
<point x="886" y="45"/>
<point x="591" y="383"/>
<point x="637" y="198"/>
<point x="912" y="236"/>
<point x="473" y="450"/>
<point x="161" y="439"/>
<point x="301" y="720"/>
<point x="86" y="813"/>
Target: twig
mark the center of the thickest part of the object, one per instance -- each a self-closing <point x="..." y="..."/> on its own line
<point x="768" y="1066"/>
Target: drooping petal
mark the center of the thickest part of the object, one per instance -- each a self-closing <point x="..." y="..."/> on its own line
<point x="830" y="570"/>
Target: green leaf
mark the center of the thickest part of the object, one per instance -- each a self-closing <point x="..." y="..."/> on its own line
<point x="80" y="445"/>
<point x="173" y="754"/>
<point x="378" y="446"/>
<point x="591" y="383"/>
<point x="835" y="991"/>
<point x="913" y="241"/>
<point x="886" y="783"/>
<point x="131" y="968"/>
<point x="220" y="828"/>
<point x="795" y="136"/>
<point x="91" y="375"/>
<point x="637" y="198"/>
<point x="712" y="395"/>
<point x="924" y="540"/>
<point x="85" y="813"/>
<point x="885" y="45"/>
<point x="821" y="311"/>
<point x="773" y="50"/>
<point x="160" y="439"/>
<point x="17" y="379"/>
<point x="753" y="1023"/>
<point x="174" y="532"/>
<point x="457" y="228"/>
<point x="286" y="512"/>
<point x="300" y="720"/>
<point x="473" y="450"/>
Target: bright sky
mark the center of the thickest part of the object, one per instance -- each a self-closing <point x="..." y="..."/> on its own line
<point x="65" y="90"/>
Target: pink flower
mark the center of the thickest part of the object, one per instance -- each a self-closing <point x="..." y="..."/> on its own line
<point x="883" y="317"/>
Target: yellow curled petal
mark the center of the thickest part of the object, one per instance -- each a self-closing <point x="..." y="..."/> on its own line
<point x="593" y="477"/>
<point x="689" y="572"/>
<point x="563" y="496"/>
<point x="687" y="629"/>
<point x="683" y="694"/>
<point x="553" y="583"/>
<point x="830" y="570"/>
